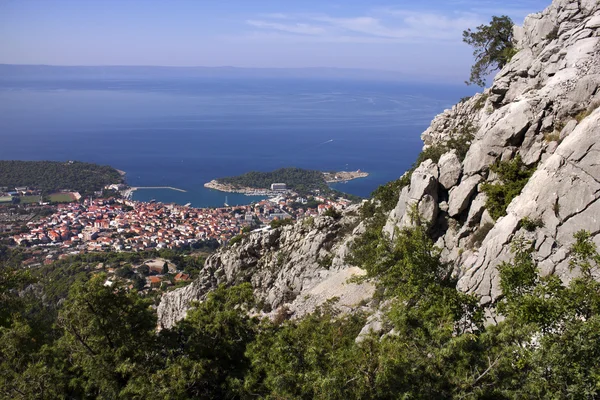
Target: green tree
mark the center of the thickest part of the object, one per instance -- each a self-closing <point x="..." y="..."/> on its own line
<point x="143" y="270"/>
<point x="108" y="336"/>
<point x="494" y="47"/>
<point x="205" y="352"/>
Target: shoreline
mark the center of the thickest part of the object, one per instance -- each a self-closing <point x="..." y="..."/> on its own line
<point x="344" y="176"/>
<point x="329" y="177"/>
<point x="248" y="191"/>
<point x="134" y="188"/>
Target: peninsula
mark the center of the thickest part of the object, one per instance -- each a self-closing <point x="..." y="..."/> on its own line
<point x="292" y="179"/>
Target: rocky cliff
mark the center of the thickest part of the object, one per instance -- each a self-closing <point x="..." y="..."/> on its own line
<point x="293" y="269"/>
<point x="542" y="108"/>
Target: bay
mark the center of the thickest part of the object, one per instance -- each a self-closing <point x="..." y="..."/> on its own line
<point x="183" y="132"/>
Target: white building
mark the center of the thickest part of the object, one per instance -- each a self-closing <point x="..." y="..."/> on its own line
<point x="278" y="186"/>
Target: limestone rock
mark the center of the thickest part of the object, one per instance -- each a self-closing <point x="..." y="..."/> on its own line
<point x="283" y="265"/>
<point x="450" y="169"/>
<point x="422" y="194"/>
<point x="462" y="194"/>
<point x="565" y="193"/>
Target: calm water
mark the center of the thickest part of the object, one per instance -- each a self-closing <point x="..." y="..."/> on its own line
<point x="185" y="132"/>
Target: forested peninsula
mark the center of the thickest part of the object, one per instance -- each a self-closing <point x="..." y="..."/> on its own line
<point x="300" y="180"/>
<point x="50" y="176"/>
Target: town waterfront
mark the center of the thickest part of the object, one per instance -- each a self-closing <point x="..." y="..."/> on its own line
<point x="184" y="132"/>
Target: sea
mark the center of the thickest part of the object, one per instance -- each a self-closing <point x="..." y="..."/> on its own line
<point x="184" y="132"/>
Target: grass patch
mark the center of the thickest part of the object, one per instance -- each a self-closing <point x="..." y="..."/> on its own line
<point x="60" y="197"/>
<point x="587" y="112"/>
<point x="552" y="137"/>
<point x="513" y="176"/>
<point x="30" y="199"/>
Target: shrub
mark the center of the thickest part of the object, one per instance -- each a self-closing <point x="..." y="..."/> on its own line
<point x="513" y="176"/>
<point x="278" y="223"/>
<point x="531" y="224"/>
<point x="480" y="102"/>
<point x="326" y="261"/>
<point x="236" y="239"/>
<point x="333" y="213"/>
<point x="387" y="194"/>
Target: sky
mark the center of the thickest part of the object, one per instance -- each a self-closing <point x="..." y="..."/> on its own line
<point x="418" y="38"/>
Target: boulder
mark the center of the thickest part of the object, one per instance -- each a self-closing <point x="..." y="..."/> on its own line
<point x="461" y="195"/>
<point x="450" y="169"/>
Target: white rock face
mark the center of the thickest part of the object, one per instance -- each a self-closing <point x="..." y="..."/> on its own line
<point x="450" y="169"/>
<point x="564" y="193"/>
<point x="298" y="267"/>
<point x="528" y="111"/>
<point x="461" y="195"/>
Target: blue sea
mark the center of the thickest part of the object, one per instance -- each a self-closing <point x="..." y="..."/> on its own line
<point x="183" y="132"/>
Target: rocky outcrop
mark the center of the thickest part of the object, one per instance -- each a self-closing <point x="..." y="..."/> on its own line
<point x="540" y="107"/>
<point x="298" y="267"/>
<point x="564" y="195"/>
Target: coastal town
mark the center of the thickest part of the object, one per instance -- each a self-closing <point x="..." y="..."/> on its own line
<point x="118" y="224"/>
<point x="157" y="246"/>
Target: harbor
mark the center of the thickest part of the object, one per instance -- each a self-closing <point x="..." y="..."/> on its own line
<point x="128" y="193"/>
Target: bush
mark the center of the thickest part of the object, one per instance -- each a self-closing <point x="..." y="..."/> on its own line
<point x="513" y="176"/>
<point x="531" y="224"/>
<point x="333" y="213"/>
<point x="278" y="223"/>
<point x="387" y="194"/>
<point x="236" y="239"/>
<point x="480" y="102"/>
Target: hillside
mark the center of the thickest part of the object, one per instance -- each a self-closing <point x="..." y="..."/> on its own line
<point x="475" y="275"/>
<point x="50" y="176"/>
<point x="297" y="179"/>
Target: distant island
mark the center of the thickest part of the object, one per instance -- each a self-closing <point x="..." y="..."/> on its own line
<point x="52" y="176"/>
<point x="284" y="179"/>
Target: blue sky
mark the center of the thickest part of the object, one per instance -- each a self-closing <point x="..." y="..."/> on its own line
<point x="418" y="38"/>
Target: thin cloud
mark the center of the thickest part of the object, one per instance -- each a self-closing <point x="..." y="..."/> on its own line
<point x="298" y="28"/>
<point x="376" y="25"/>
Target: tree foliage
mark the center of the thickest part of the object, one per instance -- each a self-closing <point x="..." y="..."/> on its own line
<point x="513" y="175"/>
<point x="493" y="47"/>
<point x="101" y="342"/>
<point x="50" y="176"/>
<point x="301" y="180"/>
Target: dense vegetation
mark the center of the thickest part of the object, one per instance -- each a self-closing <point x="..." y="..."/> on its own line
<point x="494" y="47"/>
<point x="513" y="175"/>
<point x="101" y="342"/>
<point x="298" y="179"/>
<point x="50" y="176"/>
